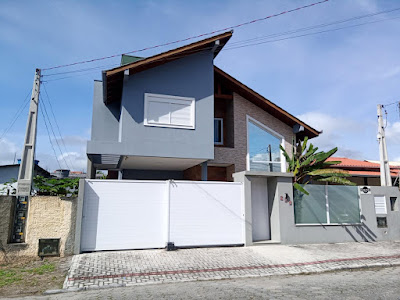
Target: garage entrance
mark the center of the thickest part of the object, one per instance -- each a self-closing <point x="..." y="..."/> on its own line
<point x="125" y="214"/>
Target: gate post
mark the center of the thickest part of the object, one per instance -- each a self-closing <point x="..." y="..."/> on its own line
<point x="79" y="216"/>
<point x="246" y="207"/>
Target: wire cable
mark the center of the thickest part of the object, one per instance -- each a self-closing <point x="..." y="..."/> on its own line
<point x="16" y="115"/>
<point x="308" y="34"/>
<point x="51" y="143"/>
<point x="81" y="70"/>
<point x="314" y="27"/>
<point x="236" y="46"/>
<point x="190" y="38"/>
<point x="55" y="137"/>
<point x="58" y="127"/>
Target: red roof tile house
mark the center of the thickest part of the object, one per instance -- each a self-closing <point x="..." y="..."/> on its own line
<point x="363" y="172"/>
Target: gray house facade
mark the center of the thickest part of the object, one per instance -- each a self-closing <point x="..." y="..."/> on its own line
<point x="177" y="116"/>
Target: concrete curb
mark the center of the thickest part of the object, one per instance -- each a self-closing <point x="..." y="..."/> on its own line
<point x="115" y="285"/>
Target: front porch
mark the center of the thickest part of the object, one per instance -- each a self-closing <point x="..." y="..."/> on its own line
<point x="158" y="168"/>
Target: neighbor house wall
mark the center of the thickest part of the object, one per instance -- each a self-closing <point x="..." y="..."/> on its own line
<point x="48" y="217"/>
<point x="237" y="155"/>
<point x="8" y="172"/>
<point x="366" y="231"/>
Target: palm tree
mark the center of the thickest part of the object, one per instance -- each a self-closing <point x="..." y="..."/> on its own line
<point x="307" y="164"/>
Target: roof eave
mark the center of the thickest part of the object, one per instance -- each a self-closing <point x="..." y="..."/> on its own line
<point x="260" y="100"/>
<point x="113" y="84"/>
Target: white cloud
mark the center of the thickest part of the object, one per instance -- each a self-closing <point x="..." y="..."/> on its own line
<point x="73" y="140"/>
<point x="393" y="133"/>
<point x="332" y="127"/>
<point x="8" y="151"/>
<point x="335" y="131"/>
<point x="76" y="160"/>
<point x="392" y="72"/>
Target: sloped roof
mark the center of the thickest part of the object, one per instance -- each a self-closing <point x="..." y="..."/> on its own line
<point x="361" y="167"/>
<point x="266" y="104"/>
<point x="113" y="78"/>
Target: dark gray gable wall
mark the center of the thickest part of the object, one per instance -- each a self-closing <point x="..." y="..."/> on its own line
<point x="105" y="120"/>
<point x="119" y="128"/>
<point x="191" y="76"/>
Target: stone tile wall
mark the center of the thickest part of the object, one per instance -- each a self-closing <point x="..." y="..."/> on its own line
<point x="237" y="155"/>
<point x="48" y="217"/>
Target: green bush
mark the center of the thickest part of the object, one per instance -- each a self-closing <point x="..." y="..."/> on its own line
<point x="56" y="186"/>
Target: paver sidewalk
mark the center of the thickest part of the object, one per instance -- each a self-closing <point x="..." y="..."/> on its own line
<point x="125" y="268"/>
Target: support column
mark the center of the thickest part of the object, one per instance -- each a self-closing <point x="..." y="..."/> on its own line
<point x="79" y="216"/>
<point x="91" y="170"/>
<point x="204" y="175"/>
<point x="246" y="207"/>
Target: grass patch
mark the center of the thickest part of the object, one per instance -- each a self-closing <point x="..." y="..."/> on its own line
<point x="29" y="277"/>
<point x="8" y="277"/>
<point x="46" y="268"/>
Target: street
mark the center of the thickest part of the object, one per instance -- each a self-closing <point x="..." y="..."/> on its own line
<point x="382" y="283"/>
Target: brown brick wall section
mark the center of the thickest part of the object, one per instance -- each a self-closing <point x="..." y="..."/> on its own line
<point x="237" y="155"/>
<point x="48" y="217"/>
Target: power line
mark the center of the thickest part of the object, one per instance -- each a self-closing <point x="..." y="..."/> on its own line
<point x="81" y="70"/>
<point x="265" y="38"/>
<point x="55" y="137"/>
<point x="58" y="128"/>
<point x="51" y="143"/>
<point x="308" y="34"/>
<point x="314" y="26"/>
<point x="396" y="102"/>
<point x="190" y="38"/>
<point x="17" y="115"/>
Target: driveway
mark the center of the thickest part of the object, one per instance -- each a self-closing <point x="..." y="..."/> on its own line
<point x="138" y="267"/>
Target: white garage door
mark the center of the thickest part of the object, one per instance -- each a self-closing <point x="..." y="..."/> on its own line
<point x="124" y="215"/>
<point x="205" y="213"/>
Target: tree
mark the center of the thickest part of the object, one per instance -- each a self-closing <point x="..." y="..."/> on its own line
<point x="307" y="164"/>
<point x="56" y="186"/>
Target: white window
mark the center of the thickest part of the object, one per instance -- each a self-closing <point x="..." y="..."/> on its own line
<point x="380" y="205"/>
<point x="218" y="131"/>
<point x="169" y="111"/>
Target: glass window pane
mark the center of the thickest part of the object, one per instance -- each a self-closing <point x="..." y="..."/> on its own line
<point x="343" y="204"/>
<point x="310" y="209"/>
<point x="265" y="166"/>
<point x="217" y="131"/>
<point x="263" y="149"/>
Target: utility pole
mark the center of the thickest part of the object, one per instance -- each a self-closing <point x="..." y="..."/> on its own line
<point x="27" y="166"/>
<point x="386" y="179"/>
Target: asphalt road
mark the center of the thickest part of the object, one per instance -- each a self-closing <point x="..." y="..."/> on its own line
<point x="374" y="284"/>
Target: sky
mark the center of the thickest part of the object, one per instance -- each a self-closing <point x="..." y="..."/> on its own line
<point x="333" y="81"/>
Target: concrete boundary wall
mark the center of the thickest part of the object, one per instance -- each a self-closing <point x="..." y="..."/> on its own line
<point x="48" y="217"/>
<point x="367" y="231"/>
<point x="285" y="231"/>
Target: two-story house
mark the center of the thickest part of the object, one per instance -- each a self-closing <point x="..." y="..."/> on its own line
<point x="176" y="115"/>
